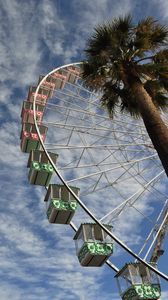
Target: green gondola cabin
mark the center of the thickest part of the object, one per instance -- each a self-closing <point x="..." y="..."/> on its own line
<point x="27" y="112"/>
<point x="29" y="137"/>
<point x="61" y="204"/>
<point x="41" y="170"/>
<point x="137" y="282"/>
<point x="93" y="245"/>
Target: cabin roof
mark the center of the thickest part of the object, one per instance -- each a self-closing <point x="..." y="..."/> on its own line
<point x="109" y="227"/>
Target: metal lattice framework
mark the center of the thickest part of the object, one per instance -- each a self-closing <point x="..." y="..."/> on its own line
<point x="107" y="159"/>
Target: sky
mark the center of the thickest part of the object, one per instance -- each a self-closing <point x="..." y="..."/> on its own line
<point x="37" y="260"/>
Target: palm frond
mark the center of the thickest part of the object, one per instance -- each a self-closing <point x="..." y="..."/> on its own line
<point x="157" y="92"/>
<point x="119" y="52"/>
<point x="122" y="24"/>
<point x="152" y="87"/>
<point x="150" y="34"/>
<point x="110" y="98"/>
<point x="93" y="79"/>
<point x="131" y="109"/>
<point x="163" y="78"/>
<point x="161" y="56"/>
<point x="129" y="103"/>
<point x="109" y="40"/>
<point x="109" y="102"/>
<point x="100" y="41"/>
<point x="161" y="101"/>
<point x="146" y="71"/>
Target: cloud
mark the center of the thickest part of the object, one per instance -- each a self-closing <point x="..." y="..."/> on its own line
<point x="38" y="259"/>
<point x="52" y="29"/>
<point x="164" y="295"/>
<point x="162" y="7"/>
<point x="20" y="52"/>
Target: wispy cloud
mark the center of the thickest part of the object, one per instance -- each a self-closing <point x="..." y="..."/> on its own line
<point x="37" y="259"/>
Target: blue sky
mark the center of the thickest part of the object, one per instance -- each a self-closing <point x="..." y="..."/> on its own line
<point x="38" y="261"/>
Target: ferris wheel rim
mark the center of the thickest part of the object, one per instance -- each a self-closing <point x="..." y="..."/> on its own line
<point x="84" y="207"/>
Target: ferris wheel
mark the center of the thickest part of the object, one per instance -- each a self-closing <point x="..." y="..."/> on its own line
<point x="100" y="173"/>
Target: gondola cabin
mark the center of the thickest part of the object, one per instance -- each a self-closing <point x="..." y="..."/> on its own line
<point x="59" y="79"/>
<point x="41" y="170"/>
<point x="42" y="96"/>
<point x="29" y="137"/>
<point x="93" y="245"/>
<point x="73" y="74"/>
<point x="48" y="83"/>
<point x="27" y="112"/>
<point x="138" y="282"/>
<point x="61" y="204"/>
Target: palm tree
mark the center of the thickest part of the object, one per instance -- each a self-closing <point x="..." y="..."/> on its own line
<point x="128" y="64"/>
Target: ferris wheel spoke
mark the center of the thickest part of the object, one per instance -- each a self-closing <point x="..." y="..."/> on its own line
<point x="119" y="209"/>
<point x="60" y="95"/>
<point x="140" y="174"/>
<point x="131" y="203"/>
<point x="158" y="237"/>
<point x="85" y="193"/>
<point x="93" y="159"/>
<point x="108" y="170"/>
<point x="88" y="113"/>
<point x="92" y="134"/>
<point x="95" y="128"/>
<point x="107" y="146"/>
<point x="151" y="233"/>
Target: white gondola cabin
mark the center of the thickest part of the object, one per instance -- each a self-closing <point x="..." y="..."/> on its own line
<point x="93" y="245"/>
<point x="29" y="137"/>
<point x="27" y="112"/>
<point x="61" y="205"/>
<point x="42" y="96"/>
<point x="41" y="170"/>
<point x="138" y="282"/>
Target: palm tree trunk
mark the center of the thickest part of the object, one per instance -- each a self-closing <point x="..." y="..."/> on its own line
<point x="156" y="128"/>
